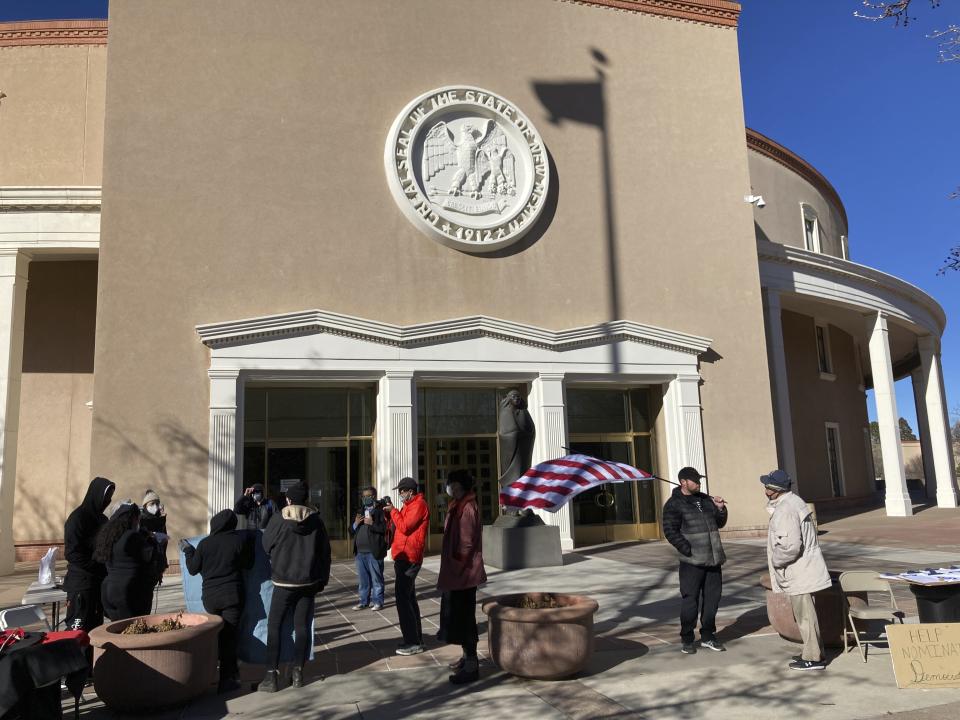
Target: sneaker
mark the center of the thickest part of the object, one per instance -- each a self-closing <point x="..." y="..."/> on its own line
<point x="378" y="606"/>
<point x="807" y="665"/>
<point x="296" y="677"/>
<point x="359" y="606"/>
<point x="689" y="649"/>
<point x="410" y="650"/>
<point x="714" y="645"/>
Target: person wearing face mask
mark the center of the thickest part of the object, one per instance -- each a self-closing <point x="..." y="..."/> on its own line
<point x="153" y="517"/>
<point x="796" y="563"/>
<point x="409" y="537"/>
<point x="84" y="573"/>
<point x="255" y="507"/>
<point x="370" y="547"/>
<point x="461" y="571"/>
<point x="133" y="560"/>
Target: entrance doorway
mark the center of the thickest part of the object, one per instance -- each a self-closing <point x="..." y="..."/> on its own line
<point x="457" y="429"/>
<point x="322" y="436"/>
<point x="614" y="425"/>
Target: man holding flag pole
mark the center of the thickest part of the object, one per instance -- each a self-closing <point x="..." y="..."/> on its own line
<point x="691" y="523"/>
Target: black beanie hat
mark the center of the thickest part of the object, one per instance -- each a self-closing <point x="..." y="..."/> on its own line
<point x="297" y="494"/>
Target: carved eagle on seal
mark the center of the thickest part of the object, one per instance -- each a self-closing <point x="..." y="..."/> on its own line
<point x="485" y="164"/>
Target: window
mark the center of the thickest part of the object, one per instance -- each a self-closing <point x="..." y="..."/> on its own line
<point x="321" y="435"/>
<point x="457" y="429"/>
<point x="844" y="247"/>
<point x="835" y="459"/>
<point x="811" y="229"/>
<point x="824" y="360"/>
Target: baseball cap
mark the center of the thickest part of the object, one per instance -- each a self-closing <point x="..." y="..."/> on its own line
<point x="407" y="483"/>
<point x="689" y="473"/>
<point x="776" y="480"/>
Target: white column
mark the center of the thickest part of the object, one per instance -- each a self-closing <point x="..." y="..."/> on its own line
<point x="685" y="426"/>
<point x="224" y="471"/>
<point x="13" y="300"/>
<point x="781" y="388"/>
<point x="935" y="405"/>
<point x="396" y="430"/>
<point x="923" y="429"/>
<point x="548" y="410"/>
<point x="898" y="499"/>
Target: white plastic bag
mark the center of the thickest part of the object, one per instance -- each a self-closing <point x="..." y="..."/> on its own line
<point x="47" y="565"/>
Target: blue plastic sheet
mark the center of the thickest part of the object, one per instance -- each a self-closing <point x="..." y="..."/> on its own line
<point x="258" y="589"/>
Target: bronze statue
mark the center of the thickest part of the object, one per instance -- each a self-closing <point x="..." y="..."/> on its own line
<point x="517" y="434"/>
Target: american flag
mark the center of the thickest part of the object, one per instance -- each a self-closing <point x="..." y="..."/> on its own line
<point x="552" y="484"/>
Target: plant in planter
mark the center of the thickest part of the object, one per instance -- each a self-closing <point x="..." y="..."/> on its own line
<point x="544" y="636"/>
<point x="154" y="662"/>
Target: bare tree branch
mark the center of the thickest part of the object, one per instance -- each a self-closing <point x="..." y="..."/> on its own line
<point x="896" y="9"/>
<point x="950" y="47"/>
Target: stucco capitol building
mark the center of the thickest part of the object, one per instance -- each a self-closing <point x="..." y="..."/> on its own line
<point x="256" y="242"/>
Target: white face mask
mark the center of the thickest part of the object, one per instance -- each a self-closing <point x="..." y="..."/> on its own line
<point x="448" y="491"/>
<point x="153" y="508"/>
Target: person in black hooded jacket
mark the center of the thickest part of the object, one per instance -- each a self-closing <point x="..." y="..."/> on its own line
<point x="133" y="561"/>
<point x="220" y="559"/>
<point x="84" y="574"/>
<point x="299" y="548"/>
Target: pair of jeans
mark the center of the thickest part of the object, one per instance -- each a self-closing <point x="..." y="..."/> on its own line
<point x="405" y="592"/>
<point x="300" y="601"/>
<point x="227" y="639"/>
<point x="700" y="589"/>
<point x="370" y="572"/>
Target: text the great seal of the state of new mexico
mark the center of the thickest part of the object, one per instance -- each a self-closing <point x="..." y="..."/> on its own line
<point x="468" y="168"/>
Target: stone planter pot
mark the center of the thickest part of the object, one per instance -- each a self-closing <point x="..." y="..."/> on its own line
<point x="543" y="644"/>
<point x="829" y="604"/>
<point x="136" y="673"/>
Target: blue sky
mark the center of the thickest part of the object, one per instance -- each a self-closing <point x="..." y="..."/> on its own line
<point x="866" y="103"/>
<point x="869" y="106"/>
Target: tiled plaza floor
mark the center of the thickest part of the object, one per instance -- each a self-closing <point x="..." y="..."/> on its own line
<point x="636" y="671"/>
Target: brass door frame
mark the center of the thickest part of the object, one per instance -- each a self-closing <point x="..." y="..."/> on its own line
<point x="616" y="532"/>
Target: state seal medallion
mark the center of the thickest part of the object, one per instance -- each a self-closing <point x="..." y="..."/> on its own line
<point x="468" y="168"/>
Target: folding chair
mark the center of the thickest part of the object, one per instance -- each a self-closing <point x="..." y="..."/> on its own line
<point x="23" y="617"/>
<point x="856" y="586"/>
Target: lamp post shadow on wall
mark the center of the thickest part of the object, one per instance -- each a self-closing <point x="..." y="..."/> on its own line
<point x="584" y="102"/>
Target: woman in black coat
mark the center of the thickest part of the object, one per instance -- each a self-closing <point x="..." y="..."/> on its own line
<point x="133" y="561"/>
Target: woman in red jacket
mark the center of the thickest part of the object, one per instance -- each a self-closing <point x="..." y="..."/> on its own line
<point x="461" y="571"/>
<point x="409" y="537"/>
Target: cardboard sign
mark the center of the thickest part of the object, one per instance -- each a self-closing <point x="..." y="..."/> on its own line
<point x="926" y="655"/>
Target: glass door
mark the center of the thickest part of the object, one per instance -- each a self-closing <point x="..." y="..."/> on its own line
<point x="612" y="424"/>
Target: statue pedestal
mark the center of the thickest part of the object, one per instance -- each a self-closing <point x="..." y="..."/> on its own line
<point x="513" y="548"/>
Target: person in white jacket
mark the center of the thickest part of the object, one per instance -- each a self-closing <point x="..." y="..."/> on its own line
<point x="796" y="564"/>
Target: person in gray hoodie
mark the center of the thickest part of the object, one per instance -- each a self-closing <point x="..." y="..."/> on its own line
<point x="795" y="562"/>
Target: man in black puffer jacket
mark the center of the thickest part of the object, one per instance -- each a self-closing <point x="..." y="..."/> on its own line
<point x="220" y="559"/>
<point x="296" y="541"/>
<point x="691" y="523"/>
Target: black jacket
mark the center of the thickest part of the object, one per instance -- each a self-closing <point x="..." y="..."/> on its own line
<point x="132" y="572"/>
<point x="80" y="536"/>
<point x="220" y="559"/>
<point x="296" y="541"/>
<point x="153" y="523"/>
<point x="373" y="537"/>
<point x="691" y="523"/>
<point x="257" y="516"/>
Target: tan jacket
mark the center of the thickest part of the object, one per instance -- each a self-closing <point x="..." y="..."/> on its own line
<point x="793" y="551"/>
